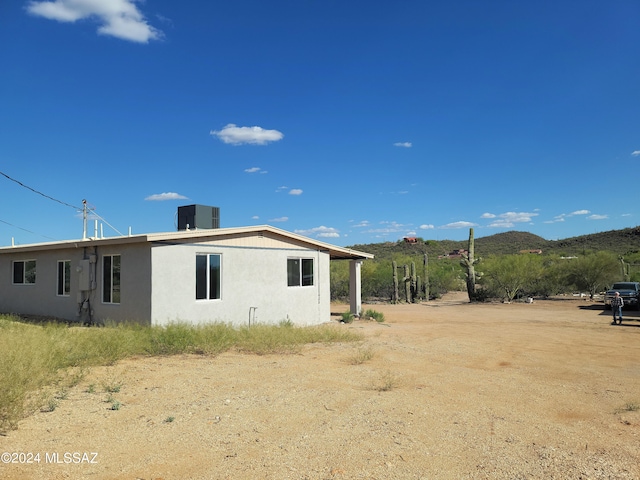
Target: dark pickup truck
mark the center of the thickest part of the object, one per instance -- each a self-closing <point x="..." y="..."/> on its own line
<point x="629" y="291"/>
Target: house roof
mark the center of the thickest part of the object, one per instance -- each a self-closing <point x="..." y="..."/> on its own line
<point x="335" y="252"/>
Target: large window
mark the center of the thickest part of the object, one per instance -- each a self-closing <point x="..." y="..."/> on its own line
<point x="207" y="277"/>
<point x="64" y="278"/>
<point x="24" y="272"/>
<point x="299" y="272"/>
<point x="111" y="279"/>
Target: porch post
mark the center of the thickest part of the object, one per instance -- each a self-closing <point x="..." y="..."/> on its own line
<point x="355" y="287"/>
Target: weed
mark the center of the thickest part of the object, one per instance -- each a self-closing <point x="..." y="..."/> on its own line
<point x="361" y="355"/>
<point x="115" y="405"/>
<point x="91" y="388"/>
<point x="629" y="407"/>
<point x="387" y="381"/>
<point x="169" y="419"/>
<point x="286" y="323"/>
<point x="112" y="386"/>
<point x="51" y="405"/>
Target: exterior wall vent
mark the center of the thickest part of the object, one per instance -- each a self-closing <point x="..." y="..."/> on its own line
<point x="193" y="217"/>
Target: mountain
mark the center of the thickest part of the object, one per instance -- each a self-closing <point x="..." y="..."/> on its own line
<point x="621" y="242"/>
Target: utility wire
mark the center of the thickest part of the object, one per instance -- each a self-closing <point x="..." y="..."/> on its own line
<point x="55" y="200"/>
<point x="39" y="193"/>
<point x="25" y="230"/>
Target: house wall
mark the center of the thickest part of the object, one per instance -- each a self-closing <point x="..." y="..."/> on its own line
<point x="135" y="285"/>
<point x="41" y="298"/>
<point x="250" y="277"/>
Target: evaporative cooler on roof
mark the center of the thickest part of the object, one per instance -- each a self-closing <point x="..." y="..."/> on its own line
<point x="191" y="217"/>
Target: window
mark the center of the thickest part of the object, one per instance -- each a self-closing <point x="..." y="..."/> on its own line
<point x="111" y="279"/>
<point x="24" y="272"/>
<point x="299" y="272"/>
<point x="64" y="278"/>
<point x="207" y="277"/>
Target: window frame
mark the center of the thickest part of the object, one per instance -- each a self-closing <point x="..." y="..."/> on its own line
<point x="300" y="277"/>
<point x="205" y="270"/>
<point x="63" y="288"/>
<point x="112" y="279"/>
<point x="26" y="272"/>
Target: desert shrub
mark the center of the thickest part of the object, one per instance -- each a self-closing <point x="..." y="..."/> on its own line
<point x="347" y="317"/>
<point x="375" y="315"/>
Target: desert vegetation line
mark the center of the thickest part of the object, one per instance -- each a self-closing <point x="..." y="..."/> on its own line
<point x="39" y="363"/>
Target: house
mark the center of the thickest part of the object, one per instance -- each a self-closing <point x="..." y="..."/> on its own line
<point x="231" y="275"/>
<point x="410" y="240"/>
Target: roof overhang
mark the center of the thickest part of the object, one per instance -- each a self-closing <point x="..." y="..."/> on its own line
<point x="335" y="252"/>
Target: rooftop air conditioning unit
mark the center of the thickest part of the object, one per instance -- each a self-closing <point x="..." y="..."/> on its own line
<point x="192" y="217"/>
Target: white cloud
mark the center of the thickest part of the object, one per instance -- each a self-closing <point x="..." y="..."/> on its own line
<point x="403" y="144"/>
<point x="363" y="223"/>
<point x="597" y="217"/>
<point x="279" y="219"/>
<point x="235" y="135"/>
<point x="635" y="153"/>
<point x="159" y="197"/>
<point x="580" y="212"/>
<point x="281" y="188"/>
<point x="509" y="219"/>
<point x="559" y="218"/>
<point x="321" y="231"/>
<point x="255" y="217"/>
<point x="459" y="225"/>
<point x="255" y="170"/>
<point x="295" y="191"/>
<point x="426" y="227"/>
<point x="118" y="18"/>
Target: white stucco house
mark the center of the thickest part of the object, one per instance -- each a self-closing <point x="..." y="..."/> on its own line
<point x="232" y="275"/>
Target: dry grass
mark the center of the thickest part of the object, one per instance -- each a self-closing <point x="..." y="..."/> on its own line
<point x="38" y="362"/>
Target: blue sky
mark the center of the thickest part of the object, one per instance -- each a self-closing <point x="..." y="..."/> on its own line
<point x="347" y="121"/>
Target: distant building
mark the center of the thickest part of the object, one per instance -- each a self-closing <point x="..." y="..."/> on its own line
<point x="410" y="240"/>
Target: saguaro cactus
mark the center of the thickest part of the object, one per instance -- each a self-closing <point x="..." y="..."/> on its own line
<point x="468" y="262"/>
<point x="414" y="284"/>
<point x="425" y="266"/>
<point x="407" y="284"/>
<point x="394" y="266"/>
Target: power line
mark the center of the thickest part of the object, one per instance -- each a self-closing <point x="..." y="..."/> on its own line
<point x="55" y="200"/>
<point x="38" y="192"/>
<point x="25" y="230"/>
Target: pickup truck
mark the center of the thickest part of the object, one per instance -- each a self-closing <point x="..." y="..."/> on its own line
<point x="629" y="291"/>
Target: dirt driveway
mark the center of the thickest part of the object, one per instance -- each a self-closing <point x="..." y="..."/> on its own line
<point x="444" y="390"/>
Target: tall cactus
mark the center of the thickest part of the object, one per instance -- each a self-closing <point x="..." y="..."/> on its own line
<point x="413" y="284"/>
<point x="468" y="262"/>
<point x="394" y="266"/>
<point x="407" y="284"/>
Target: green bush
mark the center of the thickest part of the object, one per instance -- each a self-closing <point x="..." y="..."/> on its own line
<point x="347" y="317"/>
<point x="375" y="315"/>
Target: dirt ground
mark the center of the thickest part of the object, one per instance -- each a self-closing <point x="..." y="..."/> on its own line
<point x="440" y="390"/>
